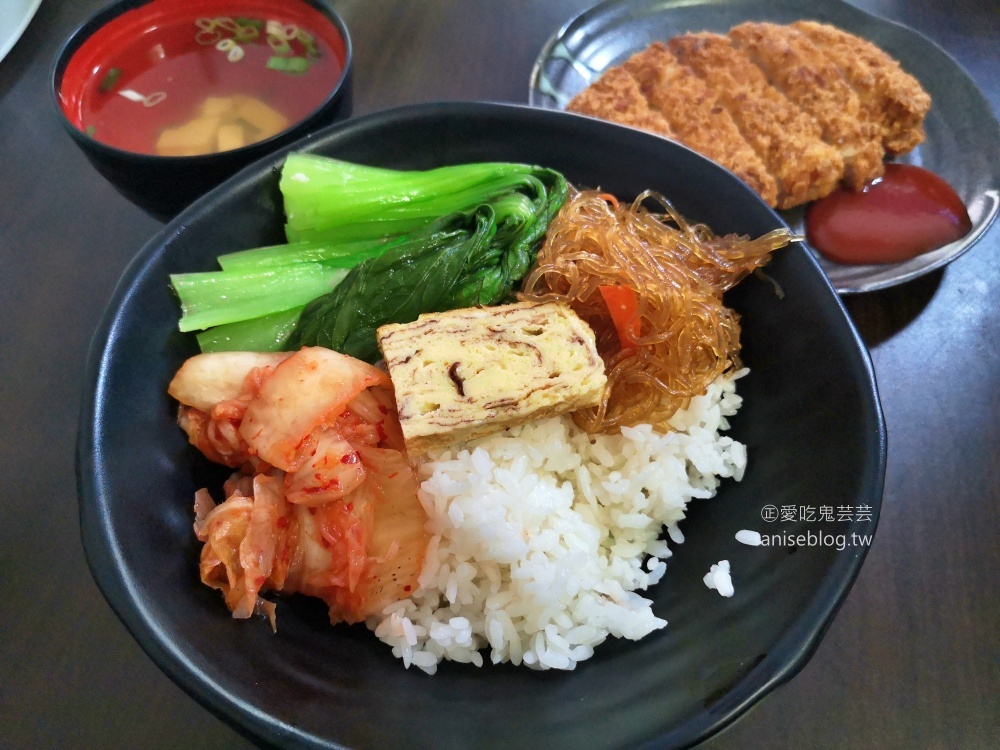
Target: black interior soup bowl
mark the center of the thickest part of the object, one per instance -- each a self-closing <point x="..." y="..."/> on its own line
<point x="811" y="420"/>
<point x="139" y="71"/>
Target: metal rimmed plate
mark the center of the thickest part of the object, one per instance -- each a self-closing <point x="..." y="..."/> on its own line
<point x="963" y="137"/>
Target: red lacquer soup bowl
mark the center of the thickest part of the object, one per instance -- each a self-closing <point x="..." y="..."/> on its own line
<point x="167" y="98"/>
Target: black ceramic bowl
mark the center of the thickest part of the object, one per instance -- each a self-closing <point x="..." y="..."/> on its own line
<point x="163" y="185"/>
<point x="811" y="420"/>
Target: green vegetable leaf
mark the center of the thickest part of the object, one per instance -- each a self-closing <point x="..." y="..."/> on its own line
<point x="463" y="259"/>
<point x="220" y="297"/>
<point x="110" y="79"/>
<point x="420" y="275"/>
<point x="293" y="65"/>
<point x="267" y="333"/>
<point x="332" y="200"/>
<point x="453" y="237"/>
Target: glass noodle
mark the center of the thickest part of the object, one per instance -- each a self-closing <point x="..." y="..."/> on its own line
<point x="682" y="336"/>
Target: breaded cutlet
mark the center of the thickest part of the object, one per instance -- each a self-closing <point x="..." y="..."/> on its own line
<point x="787" y="139"/>
<point x="896" y="99"/>
<point x="616" y="96"/>
<point x="696" y="117"/>
<point x="805" y="76"/>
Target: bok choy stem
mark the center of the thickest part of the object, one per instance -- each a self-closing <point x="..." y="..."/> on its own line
<point x="215" y="298"/>
<point x="390" y="201"/>
<point x="451" y="237"/>
<point x="264" y="334"/>
<point x="462" y="259"/>
<point x="272" y="256"/>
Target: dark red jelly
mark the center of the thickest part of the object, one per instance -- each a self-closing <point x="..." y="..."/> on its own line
<point x="906" y="212"/>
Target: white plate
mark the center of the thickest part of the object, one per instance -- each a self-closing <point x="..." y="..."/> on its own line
<point x="15" y="15"/>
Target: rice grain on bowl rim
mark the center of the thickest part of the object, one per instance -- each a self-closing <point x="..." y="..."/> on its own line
<point x="544" y="534"/>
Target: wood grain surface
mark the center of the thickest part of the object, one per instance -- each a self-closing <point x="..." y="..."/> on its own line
<point x="911" y="660"/>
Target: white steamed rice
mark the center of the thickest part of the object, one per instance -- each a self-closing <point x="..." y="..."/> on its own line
<point x="543" y="534"/>
<point x="718" y="578"/>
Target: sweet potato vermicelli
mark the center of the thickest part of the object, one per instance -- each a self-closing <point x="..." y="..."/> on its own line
<point x="681" y="336"/>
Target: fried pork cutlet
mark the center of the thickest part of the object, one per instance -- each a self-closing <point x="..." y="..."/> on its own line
<point x="798" y="69"/>
<point x="696" y="117"/>
<point x="787" y="139"/>
<point x="895" y="98"/>
<point x="616" y="96"/>
<point x="791" y="110"/>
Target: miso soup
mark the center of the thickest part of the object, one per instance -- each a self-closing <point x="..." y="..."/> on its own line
<point x="177" y="78"/>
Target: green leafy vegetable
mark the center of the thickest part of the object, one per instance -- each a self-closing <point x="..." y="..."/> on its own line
<point x="416" y="241"/>
<point x="216" y="298"/>
<point x="293" y="65"/>
<point x="110" y="79"/>
<point x="333" y="200"/>
<point x="264" y="334"/>
<point x="341" y="255"/>
<point x="463" y="259"/>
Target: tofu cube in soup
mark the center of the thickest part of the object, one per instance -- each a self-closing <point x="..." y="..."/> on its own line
<point x="196" y="136"/>
<point x="266" y="120"/>
<point x="229" y="137"/>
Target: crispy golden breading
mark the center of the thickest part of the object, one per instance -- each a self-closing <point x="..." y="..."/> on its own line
<point x="809" y="79"/>
<point x="786" y="138"/>
<point x="895" y="98"/>
<point x="791" y="110"/>
<point x="696" y="117"/>
<point x="616" y="97"/>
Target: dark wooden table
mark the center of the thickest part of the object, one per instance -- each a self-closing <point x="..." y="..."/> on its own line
<point x="911" y="660"/>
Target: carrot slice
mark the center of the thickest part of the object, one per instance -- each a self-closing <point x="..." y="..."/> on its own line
<point x="623" y="304"/>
